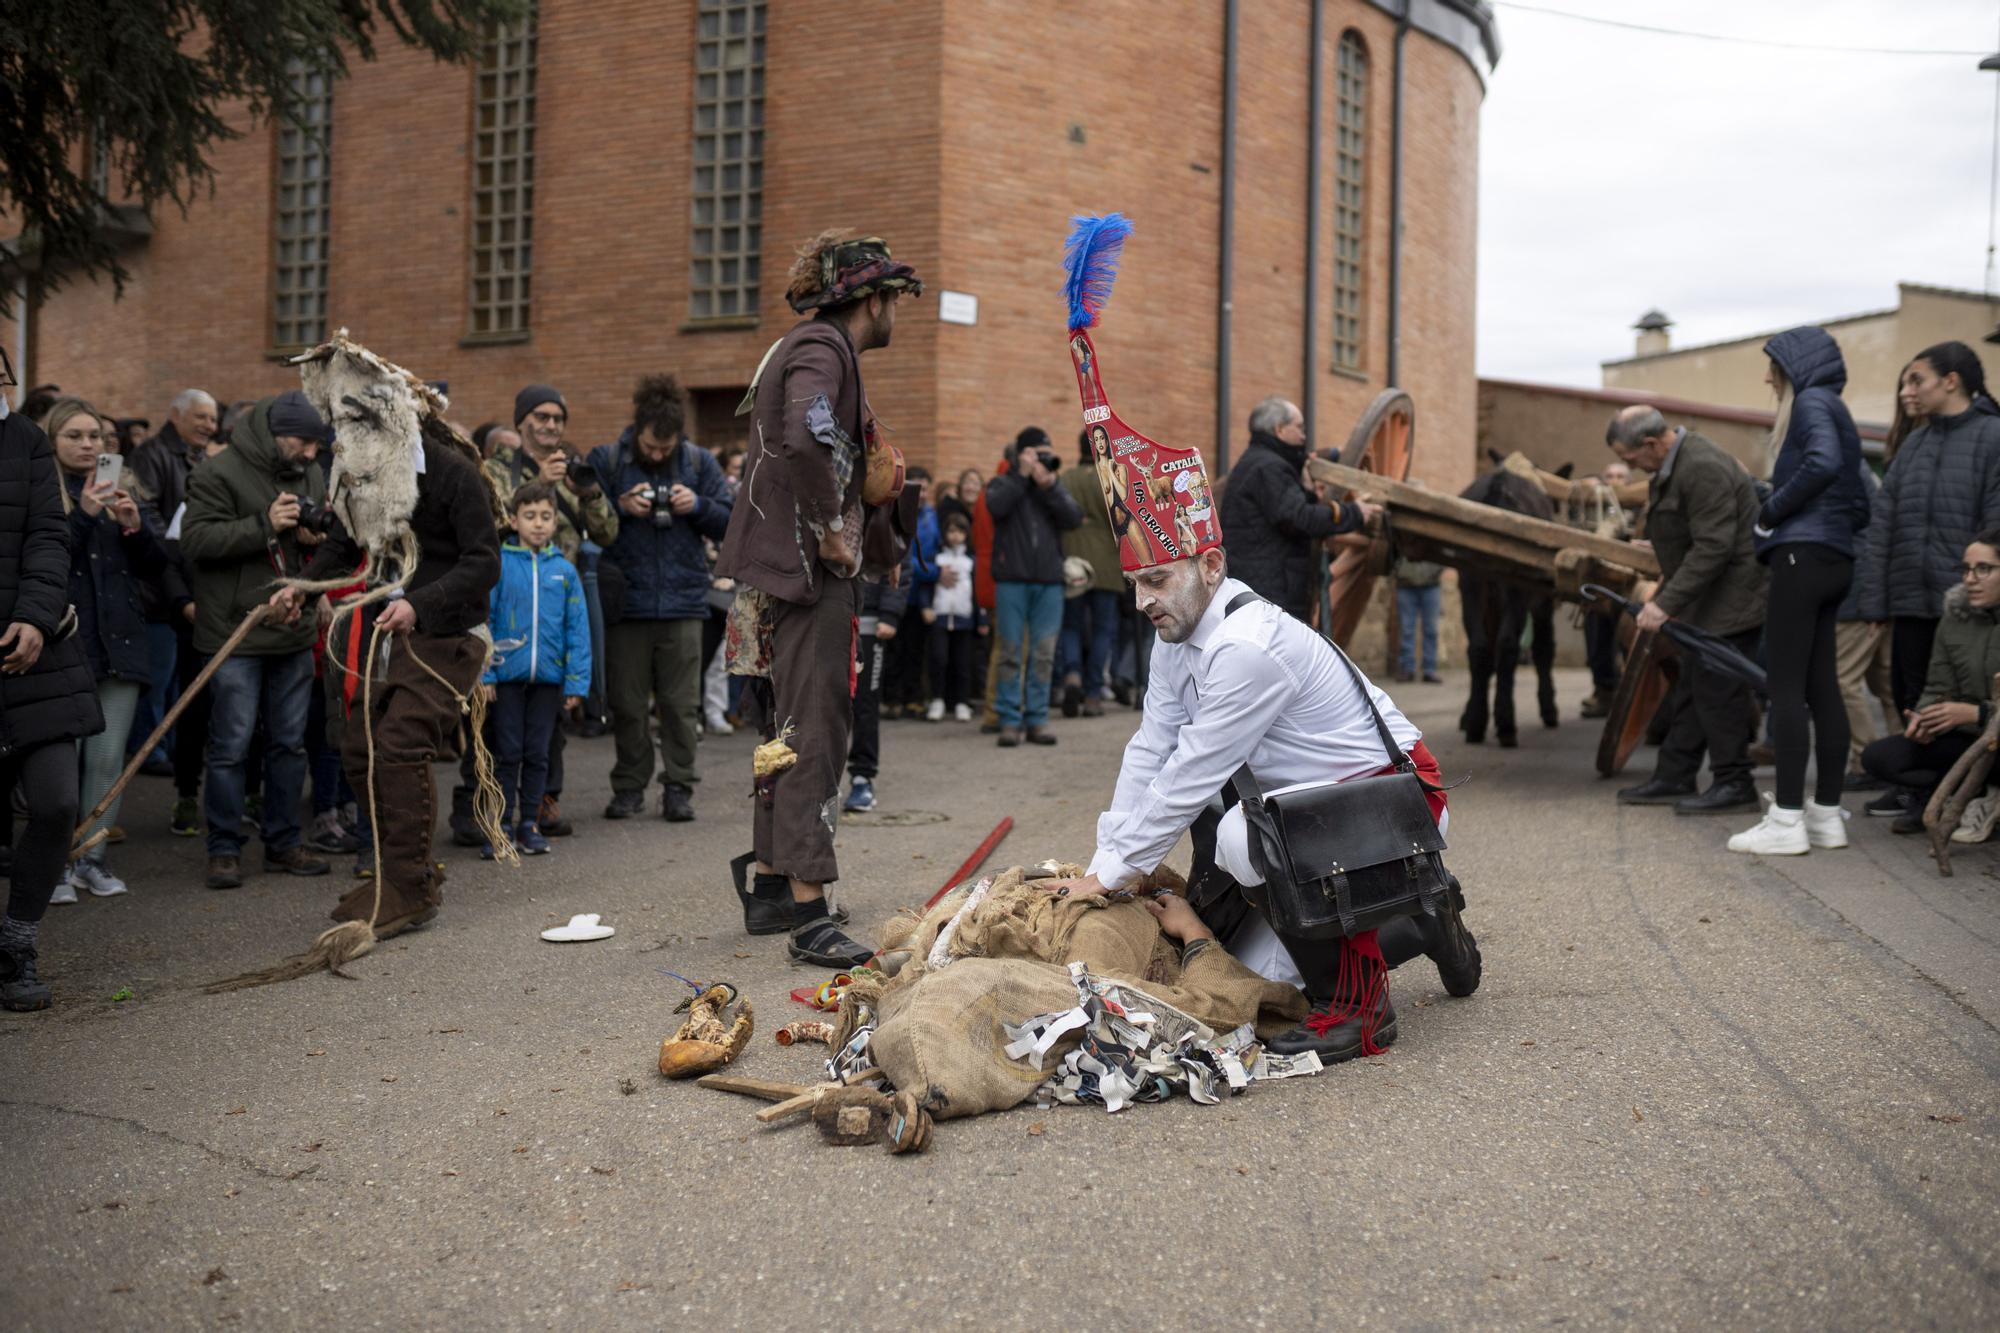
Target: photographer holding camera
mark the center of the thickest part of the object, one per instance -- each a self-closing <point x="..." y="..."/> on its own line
<point x="250" y="512"/>
<point x="1029" y="509"/>
<point x="671" y="495"/>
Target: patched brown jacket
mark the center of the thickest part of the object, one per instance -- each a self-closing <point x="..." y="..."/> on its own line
<point x="804" y="470"/>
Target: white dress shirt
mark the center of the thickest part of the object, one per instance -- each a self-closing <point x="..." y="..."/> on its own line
<point x="1256" y="686"/>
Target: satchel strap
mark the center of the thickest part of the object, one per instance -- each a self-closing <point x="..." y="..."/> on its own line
<point x="1397" y="758"/>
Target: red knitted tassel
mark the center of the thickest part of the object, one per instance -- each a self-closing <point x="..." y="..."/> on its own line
<point x="1360" y="988"/>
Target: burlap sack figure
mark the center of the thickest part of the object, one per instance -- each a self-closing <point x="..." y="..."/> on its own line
<point x="940" y="1031"/>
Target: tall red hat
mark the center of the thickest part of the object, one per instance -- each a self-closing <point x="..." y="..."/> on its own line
<point x="1158" y="496"/>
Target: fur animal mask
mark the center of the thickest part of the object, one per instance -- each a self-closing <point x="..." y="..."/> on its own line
<point x="377" y="410"/>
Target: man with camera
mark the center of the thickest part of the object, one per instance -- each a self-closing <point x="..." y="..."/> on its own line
<point x="671" y="495"/>
<point x="252" y="512"/>
<point x="583" y="510"/>
<point x="1029" y="511"/>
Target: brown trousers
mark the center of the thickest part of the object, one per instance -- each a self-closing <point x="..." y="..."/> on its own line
<point x="414" y="720"/>
<point x="812" y="693"/>
<point x="1861" y="656"/>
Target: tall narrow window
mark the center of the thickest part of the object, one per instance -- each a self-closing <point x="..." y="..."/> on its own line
<point x="1350" y="170"/>
<point x="503" y="180"/>
<point x="728" y="187"/>
<point x="302" y="212"/>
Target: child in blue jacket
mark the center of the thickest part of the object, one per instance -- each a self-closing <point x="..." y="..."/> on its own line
<point x="541" y="659"/>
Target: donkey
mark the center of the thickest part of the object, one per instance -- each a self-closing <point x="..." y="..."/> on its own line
<point x="1496" y="613"/>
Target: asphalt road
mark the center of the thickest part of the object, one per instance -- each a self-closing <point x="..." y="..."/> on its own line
<point x="1695" y="1089"/>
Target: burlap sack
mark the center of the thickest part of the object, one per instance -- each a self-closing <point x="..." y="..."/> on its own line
<point x="941" y="1032"/>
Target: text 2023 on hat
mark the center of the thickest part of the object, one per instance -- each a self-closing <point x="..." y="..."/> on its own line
<point x="1161" y="507"/>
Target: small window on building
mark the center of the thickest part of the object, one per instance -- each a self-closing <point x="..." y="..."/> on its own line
<point x="727" y="190"/>
<point x="302" y="212"/>
<point x="503" y="180"/>
<point x="1350" y="174"/>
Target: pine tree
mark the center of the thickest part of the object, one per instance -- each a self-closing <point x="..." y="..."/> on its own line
<point x="138" y="93"/>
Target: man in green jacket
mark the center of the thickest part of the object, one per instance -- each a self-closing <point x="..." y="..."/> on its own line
<point x="251" y="511"/>
<point x="1700" y="510"/>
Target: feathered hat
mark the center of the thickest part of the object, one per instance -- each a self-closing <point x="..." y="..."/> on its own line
<point x="1161" y="507"/>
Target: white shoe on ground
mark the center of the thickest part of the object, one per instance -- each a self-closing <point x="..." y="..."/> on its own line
<point x="1826" y="825"/>
<point x="65" y="893"/>
<point x="101" y="882"/>
<point x="963" y="712"/>
<point x="1976" y="824"/>
<point x="935" y="713"/>
<point x="1781" y="832"/>
<point x="717" y="725"/>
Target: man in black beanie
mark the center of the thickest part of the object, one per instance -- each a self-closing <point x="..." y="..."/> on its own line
<point x="241" y="534"/>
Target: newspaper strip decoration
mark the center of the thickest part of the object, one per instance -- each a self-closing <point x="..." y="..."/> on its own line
<point x="1136" y="1048"/>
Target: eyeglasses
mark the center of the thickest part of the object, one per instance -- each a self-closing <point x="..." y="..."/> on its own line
<point x="547" y="418"/>
<point x="1977" y="571"/>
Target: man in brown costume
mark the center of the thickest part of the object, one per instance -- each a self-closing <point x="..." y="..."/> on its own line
<point x="799" y="541"/>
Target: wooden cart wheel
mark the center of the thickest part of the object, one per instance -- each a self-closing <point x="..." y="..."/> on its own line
<point x="1650" y="670"/>
<point x="1383" y="442"/>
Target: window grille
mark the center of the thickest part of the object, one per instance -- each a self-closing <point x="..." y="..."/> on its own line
<point x="1349" y="202"/>
<point x="302" y="212"/>
<point x="503" y="180"/>
<point x="727" y="190"/>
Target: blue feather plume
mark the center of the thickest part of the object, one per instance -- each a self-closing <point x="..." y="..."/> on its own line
<point x="1090" y="265"/>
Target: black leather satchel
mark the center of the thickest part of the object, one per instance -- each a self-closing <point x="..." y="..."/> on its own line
<point x="1349" y="856"/>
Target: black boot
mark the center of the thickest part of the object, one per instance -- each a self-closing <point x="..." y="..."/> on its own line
<point x="1335" y="1042"/>
<point x="1653" y="791"/>
<point x="767" y="907"/>
<point x="1723" y="798"/>
<point x="1450" y="945"/>
<point x="767" y="904"/>
<point x="20" y="989"/>
<point x="464" y="827"/>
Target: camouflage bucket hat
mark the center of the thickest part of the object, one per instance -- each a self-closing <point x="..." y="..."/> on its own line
<point x="856" y="269"/>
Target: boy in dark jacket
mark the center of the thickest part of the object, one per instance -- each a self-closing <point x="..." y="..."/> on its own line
<point x="1029" y="511"/>
<point x="670" y="495"/>
<point x="541" y="660"/>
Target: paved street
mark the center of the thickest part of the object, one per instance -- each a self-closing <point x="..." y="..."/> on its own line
<point x="1695" y="1089"/>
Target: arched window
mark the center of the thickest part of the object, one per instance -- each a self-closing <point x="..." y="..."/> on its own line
<point x="1350" y="179"/>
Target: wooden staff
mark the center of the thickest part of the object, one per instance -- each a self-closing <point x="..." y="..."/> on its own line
<point x="79" y="845"/>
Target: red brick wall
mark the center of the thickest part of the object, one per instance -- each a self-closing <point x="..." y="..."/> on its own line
<point x="951" y="138"/>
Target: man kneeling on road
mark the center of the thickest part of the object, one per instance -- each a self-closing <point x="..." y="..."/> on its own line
<point x="1236" y="681"/>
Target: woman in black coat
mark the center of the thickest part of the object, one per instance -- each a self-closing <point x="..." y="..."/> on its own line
<point x="48" y="698"/>
<point x="111" y="552"/>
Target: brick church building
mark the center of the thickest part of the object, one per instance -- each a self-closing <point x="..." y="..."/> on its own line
<point x="616" y="187"/>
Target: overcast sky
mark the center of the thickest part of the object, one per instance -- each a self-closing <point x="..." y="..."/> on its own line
<point x="1737" y="188"/>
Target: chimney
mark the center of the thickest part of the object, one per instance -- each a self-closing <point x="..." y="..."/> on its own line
<point x="1653" y="340"/>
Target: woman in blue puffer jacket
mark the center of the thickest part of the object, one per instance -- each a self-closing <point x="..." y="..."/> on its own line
<point x="1806" y="533"/>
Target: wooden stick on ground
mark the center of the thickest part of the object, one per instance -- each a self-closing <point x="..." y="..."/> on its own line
<point x="752" y="1087"/>
<point x="806" y="1100"/>
<point x="195" y="686"/>
<point x="1966" y="780"/>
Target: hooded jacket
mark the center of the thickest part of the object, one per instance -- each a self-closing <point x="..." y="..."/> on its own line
<point x="540" y="625"/>
<point x="1965" y="656"/>
<point x="56" y="698"/>
<point x="1942" y="491"/>
<point x="107" y="569"/>
<point x="1271" y="523"/>
<point x="1817" y="494"/>
<point x="226" y="536"/>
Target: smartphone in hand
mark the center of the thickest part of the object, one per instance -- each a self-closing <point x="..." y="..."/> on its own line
<point x="110" y="468"/>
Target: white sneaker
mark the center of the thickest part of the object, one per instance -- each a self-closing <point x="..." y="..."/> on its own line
<point x="1976" y="824"/>
<point x="1826" y="825"/>
<point x="963" y="712"/>
<point x="65" y="893"/>
<point x="935" y="713"/>
<point x="716" y="725"/>
<point x="101" y="882"/>
<point x="1781" y="832"/>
